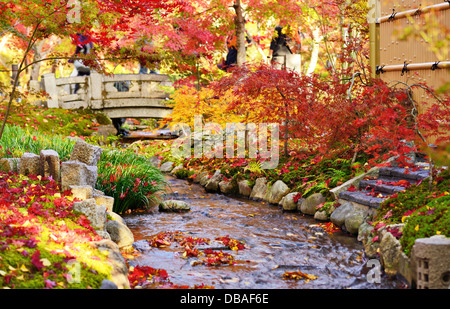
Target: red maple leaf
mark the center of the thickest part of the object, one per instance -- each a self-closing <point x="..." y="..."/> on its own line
<point x="36" y="261"/>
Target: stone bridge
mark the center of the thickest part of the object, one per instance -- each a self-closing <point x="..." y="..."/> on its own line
<point x="118" y="96"/>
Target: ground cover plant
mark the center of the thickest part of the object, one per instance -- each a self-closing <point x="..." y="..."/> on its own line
<point x="41" y="238"/>
<point x="53" y="120"/>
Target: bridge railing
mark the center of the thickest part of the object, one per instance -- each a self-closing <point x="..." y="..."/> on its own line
<point x="122" y="95"/>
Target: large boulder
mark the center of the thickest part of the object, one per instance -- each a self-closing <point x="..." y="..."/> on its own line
<point x="30" y="164"/>
<point x="86" y="153"/>
<point x="50" y="164"/>
<point x="119" y="272"/>
<point x="203" y="178"/>
<point x="82" y="192"/>
<point x="76" y="173"/>
<point x="390" y="253"/>
<point x="95" y="213"/>
<point x="227" y="186"/>
<point x="9" y="165"/>
<point x="309" y="204"/>
<point x="276" y="192"/>
<point x="120" y="234"/>
<point x="288" y="203"/>
<point x="244" y="188"/>
<point x="259" y="189"/>
<point x="101" y="199"/>
<point x="166" y="167"/>
<point x="338" y="216"/>
<point x="213" y="183"/>
<point x="354" y="220"/>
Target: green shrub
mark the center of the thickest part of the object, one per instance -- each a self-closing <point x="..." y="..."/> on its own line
<point x="130" y="179"/>
<point x="182" y="173"/>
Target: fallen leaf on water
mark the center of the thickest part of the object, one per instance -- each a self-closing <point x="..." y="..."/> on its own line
<point x="296" y="275"/>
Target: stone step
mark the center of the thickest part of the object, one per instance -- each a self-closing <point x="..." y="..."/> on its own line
<point x="389" y="185"/>
<point x="404" y="173"/>
<point x="362" y="197"/>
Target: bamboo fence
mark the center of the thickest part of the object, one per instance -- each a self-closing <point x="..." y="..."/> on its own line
<point x="423" y="58"/>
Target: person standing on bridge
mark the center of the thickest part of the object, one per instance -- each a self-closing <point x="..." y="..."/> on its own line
<point x="84" y="46"/>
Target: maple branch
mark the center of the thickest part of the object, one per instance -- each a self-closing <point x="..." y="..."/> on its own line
<point x="16" y="79"/>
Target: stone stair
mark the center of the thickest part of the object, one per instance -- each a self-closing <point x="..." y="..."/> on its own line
<point x="372" y="191"/>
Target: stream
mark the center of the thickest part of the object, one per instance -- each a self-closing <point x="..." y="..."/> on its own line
<point x="276" y="242"/>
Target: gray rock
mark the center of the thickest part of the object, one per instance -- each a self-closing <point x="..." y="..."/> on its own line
<point x="244" y="188"/>
<point x="321" y="215"/>
<point x="204" y="178"/>
<point x="120" y="234"/>
<point x="227" y="186"/>
<point x="177" y="168"/>
<point x="116" y="217"/>
<point x="260" y="189"/>
<point x="288" y="203"/>
<point x="276" y="192"/>
<point x="197" y="174"/>
<point x="166" y="167"/>
<point x="50" y="164"/>
<point x="108" y="285"/>
<point x="213" y="183"/>
<point x="354" y="220"/>
<point x="9" y="165"/>
<point x="174" y="205"/>
<point x="390" y="254"/>
<point x="108" y="201"/>
<point x="86" y="153"/>
<point x="371" y="248"/>
<point x="338" y="216"/>
<point x="75" y="173"/>
<point x="119" y="272"/>
<point x="309" y="204"/>
<point x="30" y="164"/>
<point x="155" y="161"/>
<point x="364" y="231"/>
<point x="95" y="213"/>
<point x="82" y="192"/>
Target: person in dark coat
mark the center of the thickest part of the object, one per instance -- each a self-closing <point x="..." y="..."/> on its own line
<point x="231" y="59"/>
<point x="286" y="41"/>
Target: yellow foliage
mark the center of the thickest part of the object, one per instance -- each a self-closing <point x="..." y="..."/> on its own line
<point x="188" y="103"/>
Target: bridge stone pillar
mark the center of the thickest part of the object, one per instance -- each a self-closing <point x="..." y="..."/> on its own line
<point x="49" y="84"/>
<point x="96" y="90"/>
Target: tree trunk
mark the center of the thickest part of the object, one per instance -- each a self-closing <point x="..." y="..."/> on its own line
<point x="38" y="55"/>
<point x="315" y="52"/>
<point x="240" y="33"/>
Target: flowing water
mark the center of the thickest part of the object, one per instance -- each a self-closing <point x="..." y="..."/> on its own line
<point x="276" y="242"/>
